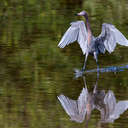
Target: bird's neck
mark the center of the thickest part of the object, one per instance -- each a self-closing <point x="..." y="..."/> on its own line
<point x="88" y="29"/>
<point x="87" y="24"/>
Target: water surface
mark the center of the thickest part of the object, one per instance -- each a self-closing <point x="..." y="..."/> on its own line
<point x="34" y="71"/>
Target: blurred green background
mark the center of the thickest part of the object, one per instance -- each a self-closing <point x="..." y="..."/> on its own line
<point x="33" y="70"/>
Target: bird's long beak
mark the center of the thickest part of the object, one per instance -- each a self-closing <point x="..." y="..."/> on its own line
<point x="78" y="14"/>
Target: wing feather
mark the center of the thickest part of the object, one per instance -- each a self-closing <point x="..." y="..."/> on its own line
<point x="110" y="36"/>
<point x="76" y="32"/>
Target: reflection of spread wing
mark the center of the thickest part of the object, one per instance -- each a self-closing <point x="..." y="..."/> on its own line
<point x="113" y="110"/>
<point x="76" y="32"/>
<point x="75" y="109"/>
<point x="109" y="37"/>
<point x="110" y="102"/>
<point x="121" y="106"/>
<point x="108" y="108"/>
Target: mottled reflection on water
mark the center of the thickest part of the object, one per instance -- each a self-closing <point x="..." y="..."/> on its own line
<point x="115" y="69"/>
<point x="110" y="110"/>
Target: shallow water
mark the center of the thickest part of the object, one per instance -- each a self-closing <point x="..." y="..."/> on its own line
<point x="34" y="71"/>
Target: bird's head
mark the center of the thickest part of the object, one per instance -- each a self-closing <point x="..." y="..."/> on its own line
<point x="82" y="13"/>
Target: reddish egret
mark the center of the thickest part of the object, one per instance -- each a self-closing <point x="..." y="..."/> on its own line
<point x="89" y="44"/>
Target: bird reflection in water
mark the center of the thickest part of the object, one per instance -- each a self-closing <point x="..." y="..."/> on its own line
<point x="110" y="110"/>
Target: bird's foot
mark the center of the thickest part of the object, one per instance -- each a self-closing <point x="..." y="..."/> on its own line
<point x="78" y="73"/>
<point x="98" y="71"/>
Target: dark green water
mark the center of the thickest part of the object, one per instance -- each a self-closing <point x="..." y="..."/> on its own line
<point x="34" y="71"/>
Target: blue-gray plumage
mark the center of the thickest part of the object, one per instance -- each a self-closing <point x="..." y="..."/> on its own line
<point x="89" y="44"/>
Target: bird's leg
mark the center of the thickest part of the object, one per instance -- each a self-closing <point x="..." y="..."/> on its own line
<point x="85" y="62"/>
<point x="84" y="82"/>
<point x="95" y="87"/>
<point x="96" y="58"/>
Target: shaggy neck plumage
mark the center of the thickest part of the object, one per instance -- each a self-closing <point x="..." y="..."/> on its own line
<point x="87" y="23"/>
<point x="88" y="29"/>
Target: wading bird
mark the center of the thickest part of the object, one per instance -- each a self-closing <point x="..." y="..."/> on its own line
<point x="89" y="44"/>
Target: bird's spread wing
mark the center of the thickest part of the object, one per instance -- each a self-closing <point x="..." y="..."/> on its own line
<point x="110" y="36"/>
<point x="76" y="32"/>
<point x="75" y="109"/>
<point x="121" y="106"/>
